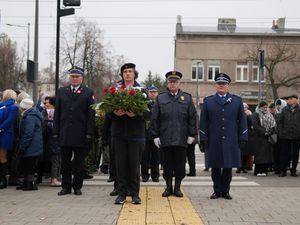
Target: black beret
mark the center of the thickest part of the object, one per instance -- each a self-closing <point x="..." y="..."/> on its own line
<point x="127" y="66"/>
<point x="222" y="78"/>
<point x="173" y="75"/>
<point x="292" y="96"/>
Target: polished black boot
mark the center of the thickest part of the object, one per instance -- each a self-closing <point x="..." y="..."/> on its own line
<point x="3" y="181"/>
<point x="30" y="186"/>
<point x="177" y="191"/>
<point x="24" y="184"/>
<point x="169" y="190"/>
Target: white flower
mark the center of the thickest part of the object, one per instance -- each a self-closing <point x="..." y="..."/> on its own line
<point x="229" y="100"/>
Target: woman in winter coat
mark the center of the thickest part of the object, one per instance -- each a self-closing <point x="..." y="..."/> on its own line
<point x="263" y="126"/>
<point x="31" y="143"/>
<point x="8" y="114"/>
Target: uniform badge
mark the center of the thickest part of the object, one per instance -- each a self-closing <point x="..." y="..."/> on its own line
<point x="182" y="98"/>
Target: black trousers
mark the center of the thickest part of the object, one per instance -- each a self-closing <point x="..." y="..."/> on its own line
<point x="128" y="156"/>
<point x="79" y="168"/>
<point x="150" y="158"/>
<point x="174" y="162"/>
<point x="289" y="152"/>
<point x="190" y="153"/>
<point x="221" y="178"/>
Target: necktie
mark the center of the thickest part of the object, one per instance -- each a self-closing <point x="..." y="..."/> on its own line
<point x="73" y="90"/>
<point x="223" y="99"/>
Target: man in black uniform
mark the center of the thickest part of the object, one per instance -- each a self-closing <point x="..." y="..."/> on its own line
<point x="74" y="121"/>
<point x="150" y="155"/>
<point x="173" y="127"/>
<point x="128" y="142"/>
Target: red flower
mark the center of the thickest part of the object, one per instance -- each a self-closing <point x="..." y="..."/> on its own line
<point x="105" y="90"/>
<point x="123" y="86"/>
<point x="131" y="92"/>
<point x="112" y="90"/>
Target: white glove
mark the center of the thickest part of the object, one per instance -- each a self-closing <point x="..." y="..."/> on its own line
<point x="190" y="140"/>
<point x="157" y="142"/>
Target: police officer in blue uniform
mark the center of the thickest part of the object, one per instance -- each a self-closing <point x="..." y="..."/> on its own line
<point x="150" y="157"/>
<point x="74" y="126"/>
<point x="173" y="127"/>
<point x="223" y="128"/>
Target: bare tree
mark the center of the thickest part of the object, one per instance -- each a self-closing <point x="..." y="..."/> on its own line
<point x="83" y="46"/>
<point x="11" y="65"/>
<point x="280" y="63"/>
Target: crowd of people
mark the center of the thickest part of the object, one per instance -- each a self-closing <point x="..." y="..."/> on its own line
<point x="58" y="133"/>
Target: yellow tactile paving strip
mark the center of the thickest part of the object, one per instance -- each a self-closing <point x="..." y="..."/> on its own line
<point x="158" y="210"/>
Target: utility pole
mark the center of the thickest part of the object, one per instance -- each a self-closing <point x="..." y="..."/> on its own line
<point x="61" y="13"/>
<point x="36" y="52"/>
<point x="261" y="65"/>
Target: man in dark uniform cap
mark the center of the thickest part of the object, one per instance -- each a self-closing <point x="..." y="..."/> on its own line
<point x="74" y="121"/>
<point x="223" y="127"/>
<point x="173" y="127"/>
<point x="150" y="155"/>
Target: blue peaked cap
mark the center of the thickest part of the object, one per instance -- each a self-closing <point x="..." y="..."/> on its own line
<point x="152" y="88"/>
<point x="76" y="71"/>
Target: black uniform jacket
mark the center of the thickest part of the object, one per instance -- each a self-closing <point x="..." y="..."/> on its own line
<point x="74" y="118"/>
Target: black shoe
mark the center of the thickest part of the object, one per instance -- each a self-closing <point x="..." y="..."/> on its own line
<point x="145" y="179"/>
<point x="245" y="171"/>
<point x="155" y="179"/>
<point x="30" y="186"/>
<point x="215" y="195"/>
<point x="136" y="200"/>
<point x="120" y="200"/>
<point x="114" y="192"/>
<point x="167" y="192"/>
<point x="226" y="196"/>
<point x="294" y="174"/>
<point x="77" y="192"/>
<point x="64" y="191"/>
<point x="282" y="174"/>
<point x="110" y="179"/>
<point x="191" y="174"/>
<point x="178" y="193"/>
<point x="206" y="169"/>
<point x="238" y="170"/>
<point x="87" y="177"/>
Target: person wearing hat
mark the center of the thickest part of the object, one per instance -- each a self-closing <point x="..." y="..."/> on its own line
<point x="173" y="127"/>
<point x="74" y="122"/>
<point x="30" y="143"/>
<point x="289" y="133"/>
<point x="151" y="153"/>
<point x="128" y="142"/>
<point x="223" y="127"/>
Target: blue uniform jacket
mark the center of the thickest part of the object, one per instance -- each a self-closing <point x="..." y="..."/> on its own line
<point x="223" y="125"/>
<point x="8" y="114"/>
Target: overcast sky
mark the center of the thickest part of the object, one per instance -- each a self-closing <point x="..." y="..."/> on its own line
<point x="141" y="30"/>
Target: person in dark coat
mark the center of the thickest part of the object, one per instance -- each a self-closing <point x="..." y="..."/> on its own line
<point x="31" y="143"/>
<point x="173" y="127"/>
<point x="289" y="132"/>
<point x="8" y="114"/>
<point x="74" y="126"/>
<point x="264" y="125"/>
<point x="223" y="128"/>
<point x="150" y="157"/>
<point x="128" y="143"/>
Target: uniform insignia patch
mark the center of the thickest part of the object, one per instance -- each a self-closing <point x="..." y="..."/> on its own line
<point x="182" y="98"/>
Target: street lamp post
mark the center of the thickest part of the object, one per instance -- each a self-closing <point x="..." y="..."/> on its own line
<point x="28" y="34"/>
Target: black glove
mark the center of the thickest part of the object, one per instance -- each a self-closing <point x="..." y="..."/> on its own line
<point x="203" y="145"/>
<point x="89" y="141"/>
<point x="243" y="144"/>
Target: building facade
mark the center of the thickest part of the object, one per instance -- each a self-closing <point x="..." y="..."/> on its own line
<point x="202" y="52"/>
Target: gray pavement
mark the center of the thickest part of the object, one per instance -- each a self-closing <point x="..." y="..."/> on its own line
<point x="256" y="201"/>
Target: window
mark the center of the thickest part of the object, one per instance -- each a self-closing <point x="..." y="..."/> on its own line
<point x="212" y="70"/>
<point x="197" y="70"/>
<point x="242" y="72"/>
<point x="255" y="74"/>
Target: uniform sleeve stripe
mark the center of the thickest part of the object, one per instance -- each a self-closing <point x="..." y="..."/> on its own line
<point x="245" y="131"/>
<point x="202" y="132"/>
